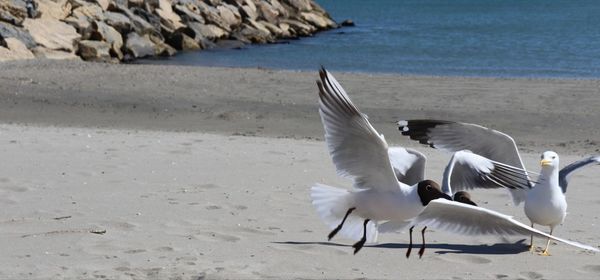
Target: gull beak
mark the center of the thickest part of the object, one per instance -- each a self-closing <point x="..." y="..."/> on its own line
<point x="546" y="162"/>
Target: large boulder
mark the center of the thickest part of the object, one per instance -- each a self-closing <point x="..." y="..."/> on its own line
<point x="139" y="46"/>
<point x="10" y="31"/>
<point x="267" y="12"/>
<point x="189" y="12"/>
<point x="81" y="24"/>
<point x="58" y="9"/>
<point x="211" y="15"/>
<point x="317" y="20"/>
<point x="8" y="17"/>
<point x="167" y="16"/>
<point x="300" y="28"/>
<point x="119" y="21"/>
<point x="94" y="50"/>
<point x="181" y="41"/>
<point x="250" y="32"/>
<point x="14" y="50"/>
<point x="52" y="34"/>
<point x="160" y="47"/>
<point x="230" y="15"/>
<point x="139" y="24"/>
<point x="101" y="31"/>
<point x="299" y="5"/>
<point x="103" y="4"/>
<point x="13" y="8"/>
<point x="273" y="29"/>
<point x="90" y="11"/>
<point x="209" y="31"/>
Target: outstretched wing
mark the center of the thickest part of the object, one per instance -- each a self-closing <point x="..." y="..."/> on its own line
<point x="466" y="219"/>
<point x="357" y="149"/>
<point x="565" y="173"/>
<point x="467" y="170"/>
<point x="455" y="136"/>
<point x="408" y="164"/>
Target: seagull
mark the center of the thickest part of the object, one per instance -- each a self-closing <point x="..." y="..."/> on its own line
<point x="361" y="154"/>
<point x="545" y="202"/>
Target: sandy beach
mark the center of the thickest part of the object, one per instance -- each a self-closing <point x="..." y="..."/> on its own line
<point x="171" y="172"/>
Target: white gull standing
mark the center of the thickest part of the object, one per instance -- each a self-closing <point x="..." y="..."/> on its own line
<point x="360" y="153"/>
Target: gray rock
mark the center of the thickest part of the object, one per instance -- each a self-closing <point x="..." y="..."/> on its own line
<point x="299" y="5"/>
<point x="139" y="46"/>
<point x="182" y="41"/>
<point x="189" y="15"/>
<point x="211" y="15"/>
<point x="8" y="17"/>
<point x="82" y="24"/>
<point x="94" y="51"/>
<point x="267" y="12"/>
<point x="300" y="28"/>
<point x="9" y="31"/>
<point x="253" y="34"/>
<point x="104" y="32"/>
<point x="13" y="8"/>
<point x="209" y="31"/>
<point x="119" y="21"/>
<point x="161" y="48"/>
<point x="347" y="22"/>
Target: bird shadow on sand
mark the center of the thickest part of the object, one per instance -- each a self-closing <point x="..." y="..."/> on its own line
<point x="439" y="248"/>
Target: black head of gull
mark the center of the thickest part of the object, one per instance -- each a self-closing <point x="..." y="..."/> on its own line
<point x="429" y="190"/>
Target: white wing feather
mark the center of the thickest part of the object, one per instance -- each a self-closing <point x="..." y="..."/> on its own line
<point x="357" y="149"/>
<point x="466" y="170"/>
<point x="455" y="136"/>
<point x="408" y="164"/>
<point x="466" y="219"/>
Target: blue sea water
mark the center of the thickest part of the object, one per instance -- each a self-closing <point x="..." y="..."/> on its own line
<point x="505" y="38"/>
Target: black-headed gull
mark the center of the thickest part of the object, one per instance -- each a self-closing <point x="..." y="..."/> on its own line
<point x="360" y="153"/>
<point x="545" y="202"/>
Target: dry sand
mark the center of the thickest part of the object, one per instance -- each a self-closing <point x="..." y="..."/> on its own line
<point x="145" y="171"/>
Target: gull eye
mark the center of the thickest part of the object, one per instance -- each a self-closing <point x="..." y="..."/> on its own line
<point x="428" y="187"/>
<point x="553" y="157"/>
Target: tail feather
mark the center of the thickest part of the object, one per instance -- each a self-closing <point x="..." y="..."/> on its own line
<point x="332" y="204"/>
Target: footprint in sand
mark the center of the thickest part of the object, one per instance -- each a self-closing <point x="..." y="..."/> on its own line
<point x="212" y="236"/>
<point x="164" y="249"/>
<point x="134" y="251"/>
<point x="532" y="275"/>
<point x="593" y="268"/>
<point x="209" y="186"/>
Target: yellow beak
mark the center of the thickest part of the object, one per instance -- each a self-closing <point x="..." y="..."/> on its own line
<point x="546" y="162"/>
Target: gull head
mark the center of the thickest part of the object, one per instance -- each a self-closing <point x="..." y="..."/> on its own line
<point x="429" y="190"/>
<point x="549" y="160"/>
<point x="464" y="197"/>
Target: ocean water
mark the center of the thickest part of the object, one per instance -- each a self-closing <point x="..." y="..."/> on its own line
<point x="502" y="38"/>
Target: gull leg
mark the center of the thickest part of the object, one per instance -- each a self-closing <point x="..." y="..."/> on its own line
<point x="410" y="242"/>
<point x="545" y="252"/>
<point x="358" y="245"/>
<point x="335" y="230"/>
<point x="531" y="241"/>
<point x="422" y="250"/>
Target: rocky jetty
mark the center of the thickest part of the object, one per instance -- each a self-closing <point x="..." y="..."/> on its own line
<point x="121" y="30"/>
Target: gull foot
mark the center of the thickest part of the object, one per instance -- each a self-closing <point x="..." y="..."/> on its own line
<point x="545" y="253"/>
